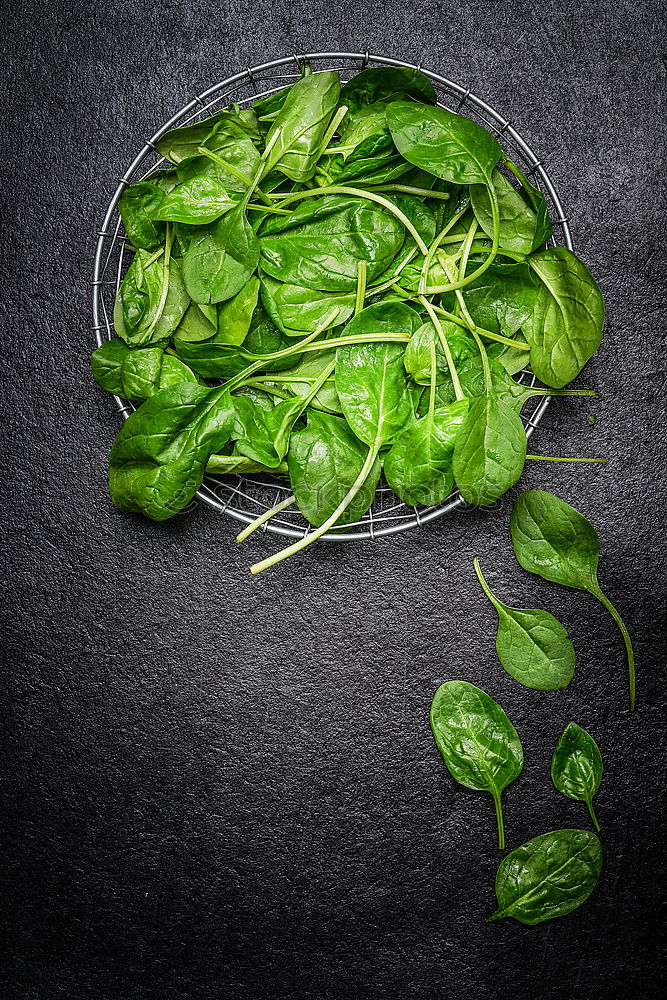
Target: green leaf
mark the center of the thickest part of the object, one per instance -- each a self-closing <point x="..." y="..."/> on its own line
<point x="195" y="325"/>
<point x="532" y="645"/>
<point x="214" y="132"/>
<point x="554" y="541"/>
<point x="221" y="259"/>
<point x="490" y="450"/>
<point x="548" y="876"/>
<point x="141" y="316"/>
<point x="518" y="221"/>
<point x="137" y="373"/>
<point x="370" y="378"/>
<point x="443" y="143"/>
<point x="323" y="251"/>
<point x="158" y="459"/>
<point x="419" y="465"/>
<point x="301" y="124"/>
<point x="235" y="315"/>
<point x="418" y="352"/>
<point x="382" y="83"/>
<point x="479" y="744"/>
<point x="565" y="328"/>
<point x="324" y="461"/>
<point x="201" y="196"/>
<point x="298" y="311"/>
<point x="136" y="205"/>
<point x="263" y="435"/>
<point x="503" y="300"/>
<point x="576" y="767"/>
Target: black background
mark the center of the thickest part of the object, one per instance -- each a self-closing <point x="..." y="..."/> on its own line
<point x="223" y="786"/>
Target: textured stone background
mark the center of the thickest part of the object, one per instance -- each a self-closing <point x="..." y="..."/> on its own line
<point x="218" y="786"/>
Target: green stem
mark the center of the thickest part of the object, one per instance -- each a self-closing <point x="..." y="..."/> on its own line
<point x="361" y="286"/>
<point x="458" y="391"/>
<point x="487" y="334"/>
<point x="431" y="398"/>
<point x="266" y="516"/>
<point x="331" y="131"/>
<point x="591" y="812"/>
<point x="483" y="584"/>
<point x="358" y="193"/>
<point x="268" y="208"/>
<point x="330" y="521"/>
<point x="408" y="189"/>
<point x="440" y="238"/>
<point x="493" y="252"/>
<point x="499" y="820"/>
<point x="604" y="600"/>
<point x="232" y="170"/>
<point x="552" y="458"/>
<point x="164" y="287"/>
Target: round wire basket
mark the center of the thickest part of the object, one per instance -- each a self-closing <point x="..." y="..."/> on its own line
<point x="246" y="497"/>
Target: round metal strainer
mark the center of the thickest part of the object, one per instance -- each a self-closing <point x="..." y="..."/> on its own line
<point x="246" y="497"/>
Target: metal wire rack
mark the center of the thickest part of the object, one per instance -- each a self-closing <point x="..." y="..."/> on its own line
<point x="246" y="497"/>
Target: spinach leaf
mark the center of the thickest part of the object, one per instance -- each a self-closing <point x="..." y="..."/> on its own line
<point x="417" y="358"/>
<point x="324" y="251"/>
<point x="576" y="767"/>
<point x="235" y="315"/>
<point x="214" y="132"/>
<point x="137" y="373"/>
<point x="200" y="197"/>
<point x="480" y="746"/>
<point x="565" y="328"/>
<point x="151" y="301"/>
<point x="532" y="645"/>
<point x="382" y="83"/>
<point x="556" y="542"/>
<point x="137" y="205"/>
<point x="221" y="258"/>
<point x="263" y="435"/>
<point x="309" y="368"/>
<point x="297" y="311"/>
<point x="503" y="300"/>
<point x="518" y="221"/>
<point x="325" y="459"/>
<point x="490" y="450"/>
<point x="301" y="124"/>
<point x="419" y="465"/>
<point x="445" y="144"/>
<point x="158" y="459"/>
<point x="548" y="876"/>
<point x="533" y="197"/>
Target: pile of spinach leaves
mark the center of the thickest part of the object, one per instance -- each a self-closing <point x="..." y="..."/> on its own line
<point x="333" y="283"/>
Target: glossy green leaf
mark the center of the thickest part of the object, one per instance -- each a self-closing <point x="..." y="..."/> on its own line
<point x="518" y="221"/>
<point x="158" y="459"/>
<point x="301" y="124"/>
<point x="221" y="258"/>
<point x="490" y="450"/>
<point x="576" y="767"/>
<point x="532" y="645"/>
<point x="142" y="316"/>
<point x="214" y="132"/>
<point x="480" y="746"/>
<point x="383" y="82"/>
<point x="565" y="328"/>
<point x="263" y="435"/>
<point x="556" y="542"/>
<point x="443" y="143"/>
<point x="137" y="373"/>
<point x="503" y="300"/>
<point x="297" y="310"/>
<point x="136" y="205"/>
<point x="548" y="876"/>
<point x="419" y="465"/>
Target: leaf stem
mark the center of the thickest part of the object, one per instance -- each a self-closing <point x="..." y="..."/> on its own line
<point x="458" y="391"/>
<point x="483" y="584"/>
<point x="493" y="252"/>
<point x="361" y="286"/>
<point x="408" y="189"/>
<point x="266" y="516"/>
<point x="604" y="600"/>
<point x="499" y="820"/>
<point x="591" y="812"/>
<point x="552" y="458"/>
<point x="330" y="521"/>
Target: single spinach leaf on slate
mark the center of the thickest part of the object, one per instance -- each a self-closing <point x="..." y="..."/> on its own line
<point x="447" y="145"/>
<point x="158" y="459"/>
<point x="137" y="373"/>
<point x="576" y="767"/>
<point x="564" y="329"/>
<point x="323" y="251"/>
<point x="297" y="311"/>
<point x="532" y="645"/>
<point x="490" y="450"/>
<point x="221" y="258"/>
<point x="419" y="465"/>
<point x="548" y="876"/>
<point x="324" y="461"/>
<point x="554" y="541"/>
<point x="301" y="124"/>
<point x="518" y="221"/>
<point x="480" y="746"/>
<point x="382" y="83"/>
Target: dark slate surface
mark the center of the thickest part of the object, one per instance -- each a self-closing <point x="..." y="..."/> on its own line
<point x="219" y="786"/>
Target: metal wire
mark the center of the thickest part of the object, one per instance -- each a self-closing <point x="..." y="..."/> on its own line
<point x="246" y="497"/>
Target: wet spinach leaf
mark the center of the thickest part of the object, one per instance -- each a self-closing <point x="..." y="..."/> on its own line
<point x="301" y="124"/>
<point x="419" y="465"/>
<point x="576" y="767"/>
<point x="490" y="450"/>
<point x="548" y="876"/>
<point x="480" y="746"/>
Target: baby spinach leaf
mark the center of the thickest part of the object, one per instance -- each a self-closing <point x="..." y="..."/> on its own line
<point x="200" y="197"/>
<point x="137" y="373"/>
<point x="324" y="461"/>
<point x="235" y="315"/>
<point x="309" y="368"/>
<point x="301" y="124"/>
<point x="419" y="465"/>
<point x="221" y="258"/>
<point x="370" y="378"/>
<point x="145" y="312"/>
<point x="297" y="311"/>
<point x="503" y="300"/>
<point x="548" y="876"/>
<point x="158" y="459"/>
<point x="263" y="435"/>
<point x="323" y="253"/>
<point x="556" y="542"/>
<point x="480" y="746"/>
<point x="443" y="143"/>
<point x="384" y="82"/>
<point x="490" y="450"/>
<point x="576" y="767"/>
<point x="533" y="197"/>
<point x="136" y="205"/>
<point x="196" y="325"/>
<point x="417" y="358"/>
<point x="564" y="329"/>
<point x="214" y="132"/>
<point x="532" y="645"/>
<point x="518" y="221"/>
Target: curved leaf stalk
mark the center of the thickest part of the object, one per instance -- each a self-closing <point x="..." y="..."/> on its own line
<point x="552" y="458"/>
<point x="493" y="252"/>
<point x="499" y="819"/>
<point x="604" y="600"/>
<point x="440" y="238"/>
<point x="266" y="516"/>
<point x="458" y="391"/>
<point x="361" y="286"/>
